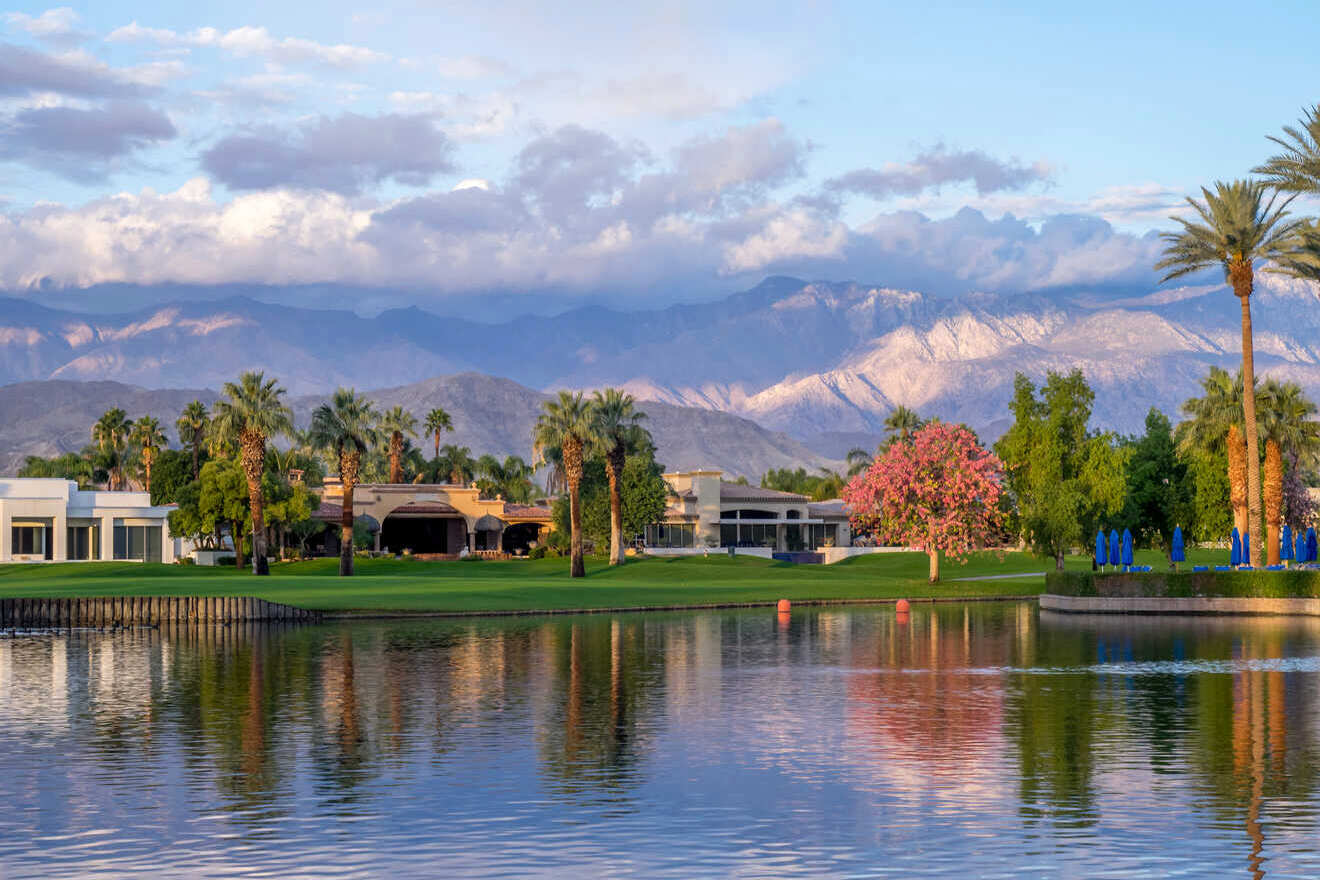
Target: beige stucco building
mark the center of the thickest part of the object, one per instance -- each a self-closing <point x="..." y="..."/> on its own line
<point x="52" y="520"/>
<point x="429" y="518"/>
<point x="706" y="511"/>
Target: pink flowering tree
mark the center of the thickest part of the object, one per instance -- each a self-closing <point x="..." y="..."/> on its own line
<point x="938" y="493"/>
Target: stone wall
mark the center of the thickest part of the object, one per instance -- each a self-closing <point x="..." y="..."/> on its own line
<point x="144" y="611"/>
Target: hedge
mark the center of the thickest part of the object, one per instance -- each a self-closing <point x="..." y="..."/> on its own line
<point x="1287" y="584"/>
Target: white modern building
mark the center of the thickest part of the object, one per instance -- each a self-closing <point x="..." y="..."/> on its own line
<point x="43" y="520"/>
<point x="705" y="511"/>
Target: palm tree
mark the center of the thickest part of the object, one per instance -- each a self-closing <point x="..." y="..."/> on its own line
<point x="568" y="423"/>
<point x="456" y="464"/>
<point x="147" y="436"/>
<point x="858" y="460"/>
<point x="1297" y="168"/>
<point x="437" y="422"/>
<point x="192" y="424"/>
<point x="1214" y="425"/>
<point x="251" y="412"/>
<point x="110" y="434"/>
<point x="901" y="424"/>
<point x="1286" y="426"/>
<point x="397" y="422"/>
<point x="511" y="478"/>
<point x="618" y="431"/>
<point x="346" y="427"/>
<point x="1237" y="226"/>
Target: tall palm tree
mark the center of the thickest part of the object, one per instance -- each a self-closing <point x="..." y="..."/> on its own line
<point x="437" y="422"/>
<point x="251" y="412"/>
<point x="346" y="426"/>
<point x="618" y="431"/>
<point x="148" y="438"/>
<point x="397" y="423"/>
<point x="192" y="424"/>
<point x="568" y="423"/>
<point x="1237" y="226"/>
<point x="110" y="434"/>
<point x="900" y="425"/>
<point x="1297" y="168"/>
<point x="1214" y="425"/>
<point x="1286" y="425"/>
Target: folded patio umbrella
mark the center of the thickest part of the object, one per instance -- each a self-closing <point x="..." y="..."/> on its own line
<point x="1113" y="548"/>
<point x="1286" y="543"/>
<point x="1100" y="555"/>
<point x="1246" y="548"/>
<point x="1176" y="553"/>
<point x="1310" y="545"/>
<point x="1127" y="547"/>
<point x="1235" y="547"/>
<point x="1299" y="552"/>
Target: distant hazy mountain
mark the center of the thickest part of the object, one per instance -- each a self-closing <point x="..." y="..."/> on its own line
<point x="824" y="362"/>
<point x="489" y="414"/>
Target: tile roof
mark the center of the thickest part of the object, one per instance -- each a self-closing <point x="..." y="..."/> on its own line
<point x="739" y="492"/>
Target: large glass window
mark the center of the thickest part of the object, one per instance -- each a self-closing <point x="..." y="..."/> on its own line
<point x="748" y="535"/>
<point x="821" y="535"/>
<point x="84" y="542"/>
<point x="30" y="540"/>
<point x="138" y="543"/>
<point x="671" y="535"/>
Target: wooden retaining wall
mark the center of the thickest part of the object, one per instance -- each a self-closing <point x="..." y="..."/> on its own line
<point x="145" y="611"/>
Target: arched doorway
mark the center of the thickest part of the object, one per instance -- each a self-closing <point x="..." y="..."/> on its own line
<point x="518" y="537"/>
<point x="486" y="533"/>
<point x="424" y="528"/>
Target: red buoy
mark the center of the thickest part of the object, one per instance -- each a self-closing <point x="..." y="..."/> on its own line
<point x="784" y="606"/>
<point x="901" y="606"/>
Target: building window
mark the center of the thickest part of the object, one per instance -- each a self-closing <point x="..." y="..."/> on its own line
<point x="84" y="542"/>
<point x="137" y="543"/>
<point x="821" y="535"/>
<point x="671" y="535"/>
<point x="30" y="540"/>
<point x="748" y="513"/>
<point x="749" y="535"/>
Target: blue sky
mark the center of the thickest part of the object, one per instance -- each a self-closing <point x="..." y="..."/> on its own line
<point x="684" y="147"/>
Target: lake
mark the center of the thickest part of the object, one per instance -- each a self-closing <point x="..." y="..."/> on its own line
<point x="983" y="740"/>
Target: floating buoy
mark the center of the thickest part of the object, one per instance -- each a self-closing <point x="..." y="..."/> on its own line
<point x="902" y="606"/>
<point x="785" y="606"/>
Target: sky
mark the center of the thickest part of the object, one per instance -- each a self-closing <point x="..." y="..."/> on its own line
<point x="436" y="151"/>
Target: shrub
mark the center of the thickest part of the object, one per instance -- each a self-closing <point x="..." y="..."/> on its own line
<point x="227" y="560"/>
<point x="537" y="552"/>
<point x="1293" y="583"/>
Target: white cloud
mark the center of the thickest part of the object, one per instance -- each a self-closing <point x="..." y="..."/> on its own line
<point x="251" y="41"/>
<point x="58" y="25"/>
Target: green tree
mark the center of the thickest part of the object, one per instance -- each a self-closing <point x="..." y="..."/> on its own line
<point x="1157" y="490"/>
<point x="1212" y="510"/>
<point x="218" y="501"/>
<point x="1237" y="227"/>
<point x="901" y="424"/>
<point x="437" y="422"/>
<point x="69" y="466"/>
<point x="1287" y="426"/>
<point x="619" y="432"/>
<point x="192" y="426"/>
<point x="147" y="438"/>
<point x="1213" y="428"/>
<point x="346" y="427"/>
<point x="171" y="472"/>
<point x="110" y="434"/>
<point x="455" y="465"/>
<point x="511" y="478"/>
<point x="251" y="412"/>
<point x="568" y="424"/>
<point x="858" y="460"/>
<point x="643" y="495"/>
<point x="818" y="487"/>
<point x="1063" y="476"/>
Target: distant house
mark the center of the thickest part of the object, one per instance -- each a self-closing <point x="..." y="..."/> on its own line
<point x="50" y="520"/>
<point x="707" y="511"/>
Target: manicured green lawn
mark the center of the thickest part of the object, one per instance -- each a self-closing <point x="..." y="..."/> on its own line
<point x="383" y="585"/>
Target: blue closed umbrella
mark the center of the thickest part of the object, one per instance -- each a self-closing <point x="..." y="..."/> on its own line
<point x="1176" y="553"/>
<point x="1100" y="556"/>
<point x="1127" y="547"/>
<point x="1299" y="552"/>
<point x="1286" y="543"/>
<point x="1246" y="548"/>
<point x="1310" y="545"/>
<point x="1113" y="547"/>
<point x="1235" y="548"/>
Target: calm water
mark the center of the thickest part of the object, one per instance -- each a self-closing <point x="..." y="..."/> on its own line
<point x="986" y="740"/>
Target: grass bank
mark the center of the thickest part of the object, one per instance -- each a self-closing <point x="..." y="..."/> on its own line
<point x="1291" y="584"/>
<point x="390" y="585"/>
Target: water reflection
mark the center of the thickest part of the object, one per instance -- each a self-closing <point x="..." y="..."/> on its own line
<point x="983" y="738"/>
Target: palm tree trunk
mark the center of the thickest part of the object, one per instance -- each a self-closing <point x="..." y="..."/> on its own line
<point x="1242" y="287"/>
<point x="254" y="462"/>
<point x="196" y="451"/>
<point x="572" y="452"/>
<point x="1273" y="492"/>
<point x="437" y="444"/>
<point x="1237" y="477"/>
<point x="614" y="462"/>
<point x="147" y="456"/>
<point x="396" y="453"/>
<point x="348" y="468"/>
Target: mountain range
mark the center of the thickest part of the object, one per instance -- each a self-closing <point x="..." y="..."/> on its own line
<point x="822" y="362"/>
